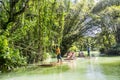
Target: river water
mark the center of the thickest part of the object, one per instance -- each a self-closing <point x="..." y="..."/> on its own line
<point x="80" y="69"/>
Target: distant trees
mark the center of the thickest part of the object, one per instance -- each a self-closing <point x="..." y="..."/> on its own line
<point x="76" y="23"/>
<point x="110" y="12"/>
<point x="110" y="21"/>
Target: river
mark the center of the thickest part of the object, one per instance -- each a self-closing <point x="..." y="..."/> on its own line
<point x="80" y="69"/>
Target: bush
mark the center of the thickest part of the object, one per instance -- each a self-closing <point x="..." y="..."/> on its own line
<point x="102" y="50"/>
<point x="46" y="56"/>
<point x="73" y="48"/>
<point x="114" y="50"/>
<point x="9" y="57"/>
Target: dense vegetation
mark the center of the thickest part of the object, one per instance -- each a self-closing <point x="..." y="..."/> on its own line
<point x="31" y="28"/>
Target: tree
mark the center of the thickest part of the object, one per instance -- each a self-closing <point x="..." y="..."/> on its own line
<point x="109" y="13"/>
<point x="112" y="13"/>
<point x="76" y="22"/>
<point x="101" y="5"/>
<point x="38" y="28"/>
<point x="10" y="10"/>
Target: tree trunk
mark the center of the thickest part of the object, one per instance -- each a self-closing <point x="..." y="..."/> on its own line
<point x="65" y="45"/>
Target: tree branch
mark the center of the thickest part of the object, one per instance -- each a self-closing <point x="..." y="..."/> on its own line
<point x="107" y="3"/>
<point x="22" y="9"/>
<point x="4" y="6"/>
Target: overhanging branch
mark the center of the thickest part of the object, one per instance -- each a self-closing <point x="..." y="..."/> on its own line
<point x="22" y="9"/>
<point x="4" y="6"/>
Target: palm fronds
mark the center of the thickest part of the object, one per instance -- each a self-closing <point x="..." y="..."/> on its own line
<point x="104" y="4"/>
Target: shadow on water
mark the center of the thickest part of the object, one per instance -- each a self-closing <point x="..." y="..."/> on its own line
<point x="98" y="68"/>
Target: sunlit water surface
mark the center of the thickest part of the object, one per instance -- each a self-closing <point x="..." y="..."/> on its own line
<point x="80" y="69"/>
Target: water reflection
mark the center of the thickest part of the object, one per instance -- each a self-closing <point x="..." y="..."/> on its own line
<point x="72" y="64"/>
<point x="80" y="69"/>
<point x="94" y="71"/>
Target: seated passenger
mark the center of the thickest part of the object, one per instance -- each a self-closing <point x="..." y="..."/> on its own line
<point x="70" y="56"/>
<point x="81" y="54"/>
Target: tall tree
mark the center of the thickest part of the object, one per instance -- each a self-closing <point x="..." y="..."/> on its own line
<point x="111" y="13"/>
<point x="11" y="9"/>
<point x="76" y="23"/>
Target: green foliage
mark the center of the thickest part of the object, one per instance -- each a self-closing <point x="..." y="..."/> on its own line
<point x="73" y="48"/>
<point x="9" y="57"/>
<point x="109" y="14"/>
<point x="46" y="56"/>
<point x="76" y="24"/>
<point x="102" y="50"/>
<point x="33" y="28"/>
<point x="114" y="50"/>
<point x="104" y="4"/>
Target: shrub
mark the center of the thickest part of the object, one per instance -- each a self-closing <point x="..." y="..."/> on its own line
<point x="114" y="50"/>
<point x="9" y="57"/>
<point x="102" y="50"/>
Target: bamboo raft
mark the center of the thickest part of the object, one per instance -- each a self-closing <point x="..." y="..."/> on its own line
<point x="49" y="64"/>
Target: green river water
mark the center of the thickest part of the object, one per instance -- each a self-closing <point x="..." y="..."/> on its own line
<point x="96" y="68"/>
